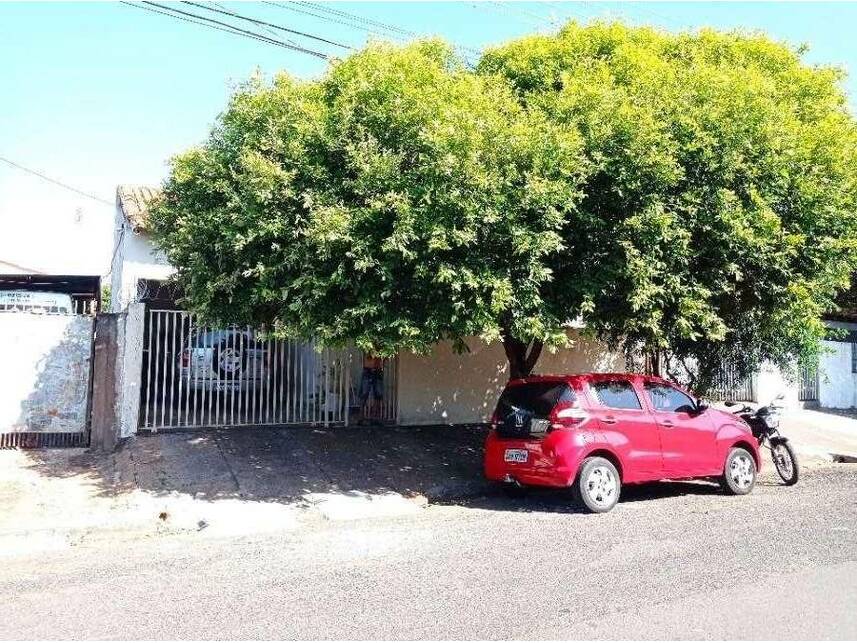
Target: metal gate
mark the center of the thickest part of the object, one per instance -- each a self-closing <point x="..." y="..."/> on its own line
<point x="200" y="376"/>
<point x="808" y="391"/>
<point x="728" y="386"/>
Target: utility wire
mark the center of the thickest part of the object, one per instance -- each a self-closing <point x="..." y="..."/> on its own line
<point x="375" y="23"/>
<point x="267" y="29"/>
<point x="55" y="182"/>
<point x="76" y="191"/>
<point x="195" y="22"/>
<point x="339" y="17"/>
<point x="222" y="26"/>
<point x="335" y="20"/>
<point x="265" y="24"/>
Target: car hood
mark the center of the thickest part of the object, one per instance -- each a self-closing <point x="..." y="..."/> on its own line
<point x="722" y="417"/>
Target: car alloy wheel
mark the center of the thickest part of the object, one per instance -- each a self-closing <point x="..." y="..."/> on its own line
<point x="601" y="487"/>
<point x="741" y="471"/>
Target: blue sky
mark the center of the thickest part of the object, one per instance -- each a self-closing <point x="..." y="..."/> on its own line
<point x="95" y="94"/>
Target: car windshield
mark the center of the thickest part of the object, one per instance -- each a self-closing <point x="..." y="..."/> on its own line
<point x="211" y="338"/>
<point x="537" y="398"/>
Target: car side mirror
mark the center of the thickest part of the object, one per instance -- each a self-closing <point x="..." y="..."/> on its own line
<point x="702" y="406"/>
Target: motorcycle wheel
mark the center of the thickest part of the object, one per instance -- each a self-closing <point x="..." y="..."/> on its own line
<point x="785" y="462"/>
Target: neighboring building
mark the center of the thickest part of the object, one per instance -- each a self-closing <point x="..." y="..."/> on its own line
<point x="9" y="268"/>
<point x="46" y="331"/>
<point x="137" y="267"/>
<point x="837" y="378"/>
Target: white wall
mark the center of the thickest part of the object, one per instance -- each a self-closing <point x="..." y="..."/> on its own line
<point x="447" y="388"/>
<point x="837" y="384"/>
<point x="44" y="379"/>
<point x="136" y="258"/>
<point x="770" y="382"/>
<point x="129" y="365"/>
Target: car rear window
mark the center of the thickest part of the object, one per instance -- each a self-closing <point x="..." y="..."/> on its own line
<point x="615" y="394"/>
<point x="537" y="398"/>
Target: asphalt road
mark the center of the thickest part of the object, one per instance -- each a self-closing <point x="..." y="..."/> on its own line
<point x="671" y="561"/>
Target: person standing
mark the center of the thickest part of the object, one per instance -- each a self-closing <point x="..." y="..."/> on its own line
<point x="371" y="387"/>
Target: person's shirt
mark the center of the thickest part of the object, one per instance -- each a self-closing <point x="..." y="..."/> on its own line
<point x="372" y="361"/>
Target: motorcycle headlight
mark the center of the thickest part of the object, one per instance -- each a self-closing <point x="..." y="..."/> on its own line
<point x="772" y="421"/>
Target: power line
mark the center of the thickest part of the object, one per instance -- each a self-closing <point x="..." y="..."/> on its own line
<point x="504" y="8"/>
<point x="257" y="35"/>
<point x="195" y="22"/>
<point x="56" y="182"/>
<point x="329" y="18"/>
<point x="222" y="26"/>
<point x="352" y="16"/>
<point x="348" y="19"/>
<point x="266" y="24"/>
<point x="270" y="31"/>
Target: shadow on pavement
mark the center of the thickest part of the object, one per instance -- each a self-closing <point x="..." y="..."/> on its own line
<point x="291" y="465"/>
<point x="547" y="500"/>
<point x="283" y="464"/>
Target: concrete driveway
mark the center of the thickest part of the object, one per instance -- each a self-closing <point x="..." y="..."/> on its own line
<point x="219" y="482"/>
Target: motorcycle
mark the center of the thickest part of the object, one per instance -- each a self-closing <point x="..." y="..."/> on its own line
<point x="764" y="422"/>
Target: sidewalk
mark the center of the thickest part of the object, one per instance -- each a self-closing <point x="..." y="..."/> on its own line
<point x="210" y="483"/>
<point x="232" y="481"/>
<point x="829" y="435"/>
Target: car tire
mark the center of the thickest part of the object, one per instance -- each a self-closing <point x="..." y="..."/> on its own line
<point x="598" y="485"/>
<point x="739" y="472"/>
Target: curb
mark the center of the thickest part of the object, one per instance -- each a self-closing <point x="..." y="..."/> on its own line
<point x="445" y="493"/>
<point x="844" y="458"/>
<point x="826" y="456"/>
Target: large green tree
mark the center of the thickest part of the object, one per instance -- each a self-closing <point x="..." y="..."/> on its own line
<point x="686" y="195"/>
<point x="718" y="217"/>
<point x="399" y="201"/>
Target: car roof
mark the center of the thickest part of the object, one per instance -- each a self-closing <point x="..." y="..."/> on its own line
<point x="570" y="377"/>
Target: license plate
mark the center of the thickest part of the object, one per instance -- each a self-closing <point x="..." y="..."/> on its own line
<point x="515" y="455"/>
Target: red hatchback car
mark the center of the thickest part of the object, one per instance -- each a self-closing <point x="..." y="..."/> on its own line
<point x="598" y="431"/>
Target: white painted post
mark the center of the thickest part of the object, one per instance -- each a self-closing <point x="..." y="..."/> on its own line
<point x="129" y="365"/>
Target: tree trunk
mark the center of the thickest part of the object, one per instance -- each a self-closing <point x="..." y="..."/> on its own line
<point x="522" y="357"/>
<point x="654" y="366"/>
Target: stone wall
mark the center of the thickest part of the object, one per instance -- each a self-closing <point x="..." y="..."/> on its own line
<point x="44" y="379"/>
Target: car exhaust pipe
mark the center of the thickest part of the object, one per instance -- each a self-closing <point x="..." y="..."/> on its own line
<point x="512" y="481"/>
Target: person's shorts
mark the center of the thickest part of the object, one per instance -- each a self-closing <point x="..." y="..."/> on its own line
<point x="371" y="383"/>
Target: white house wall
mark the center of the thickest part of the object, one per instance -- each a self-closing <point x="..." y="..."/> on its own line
<point x="770" y="383"/>
<point x="136" y="258"/>
<point x="838" y="385"/>
<point x="444" y="387"/>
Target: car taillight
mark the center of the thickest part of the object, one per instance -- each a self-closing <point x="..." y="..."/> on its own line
<point x="567" y="414"/>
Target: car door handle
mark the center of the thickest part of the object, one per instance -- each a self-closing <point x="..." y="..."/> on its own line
<point x="667" y="424"/>
<point x="610" y="420"/>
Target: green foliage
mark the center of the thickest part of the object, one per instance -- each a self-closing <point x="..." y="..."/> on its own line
<point x="691" y="194"/>
<point x="718" y="218"/>
<point x="105" y="297"/>
<point x="399" y="201"/>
